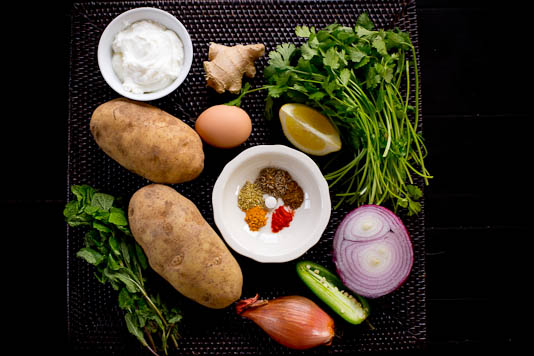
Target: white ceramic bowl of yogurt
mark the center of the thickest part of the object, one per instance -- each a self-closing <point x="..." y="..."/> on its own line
<point x="309" y="220"/>
<point x="144" y="62"/>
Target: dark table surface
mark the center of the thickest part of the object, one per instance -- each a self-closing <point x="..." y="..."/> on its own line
<point x="475" y="63"/>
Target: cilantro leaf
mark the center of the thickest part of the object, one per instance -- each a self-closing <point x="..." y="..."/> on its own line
<point x="237" y="101"/>
<point x="304" y="31"/>
<point x="364" y="21"/>
<point x="276" y="91"/>
<point x="329" y="86"/>
<point x="363" y="32"/>
<point x="308" y="52"/>
<point x="317" y="96"/>
<point x="331" y="58"/>
<point x="344" y="75"/>
<point x="414" y="191"/>
<point x="398" y="39"/>
<point x="356" y="54"/>
<point x="383" y="72"/>
<point x="281" y="57"/>
<point x="380" y="45"/>
<point x="357" y="76"/>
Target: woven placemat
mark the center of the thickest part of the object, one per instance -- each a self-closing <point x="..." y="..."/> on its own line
<point x="95" y="323"/>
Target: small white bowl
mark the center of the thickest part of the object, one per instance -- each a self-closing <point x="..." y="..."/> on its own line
<point x="309" y="221"/>
<point x="122" y="21"/>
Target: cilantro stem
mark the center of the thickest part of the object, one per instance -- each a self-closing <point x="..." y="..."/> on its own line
<point x="416" y="73"/>
<point x="362" y="80"/>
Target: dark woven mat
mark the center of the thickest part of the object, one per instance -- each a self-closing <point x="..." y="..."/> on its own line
<point x="94" y="321"/>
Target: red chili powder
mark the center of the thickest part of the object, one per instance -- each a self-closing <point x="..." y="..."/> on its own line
<point x="281" y="218"/>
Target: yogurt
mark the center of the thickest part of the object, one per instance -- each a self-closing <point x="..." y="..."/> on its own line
<point x="147" y="57"/>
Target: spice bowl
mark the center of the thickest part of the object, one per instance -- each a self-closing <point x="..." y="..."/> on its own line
<point x="307" y="223"/>
<point x="122" y="21"/>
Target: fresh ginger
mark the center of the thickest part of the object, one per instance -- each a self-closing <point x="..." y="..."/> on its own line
<point x="226" y="65"/>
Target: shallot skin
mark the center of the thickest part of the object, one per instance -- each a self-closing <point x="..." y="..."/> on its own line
<point x="293" y="321"/>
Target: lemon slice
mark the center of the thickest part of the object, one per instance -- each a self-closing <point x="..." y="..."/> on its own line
<point x="309" y="130"/>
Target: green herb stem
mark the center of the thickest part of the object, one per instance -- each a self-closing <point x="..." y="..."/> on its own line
<point x="110" y="247"/>
<point x="360" y="78"/>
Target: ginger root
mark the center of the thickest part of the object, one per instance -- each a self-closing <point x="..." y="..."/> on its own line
<point x="226" y="65"/>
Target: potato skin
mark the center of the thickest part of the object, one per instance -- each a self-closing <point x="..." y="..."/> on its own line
<point x="183" y="248"/>
<point x="148" y="141"/>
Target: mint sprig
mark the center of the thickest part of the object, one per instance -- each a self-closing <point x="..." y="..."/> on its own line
<point x="119" y="261"/>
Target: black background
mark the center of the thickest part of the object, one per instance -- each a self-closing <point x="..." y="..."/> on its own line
<point x="476" y="65"/>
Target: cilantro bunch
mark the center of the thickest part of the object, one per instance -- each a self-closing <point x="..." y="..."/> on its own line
<point x="120" y="261"/>
<point x="359" y="77"/>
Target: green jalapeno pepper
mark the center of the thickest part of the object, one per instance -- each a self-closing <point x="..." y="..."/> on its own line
<point x="329" y="288"/>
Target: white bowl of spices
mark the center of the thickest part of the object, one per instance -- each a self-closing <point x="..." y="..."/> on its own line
<point x="145" y="53"/>
<point x="271" y="203"/>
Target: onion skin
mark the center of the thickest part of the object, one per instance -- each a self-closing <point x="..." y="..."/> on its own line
<point x="354" y="254"/>
<point x="293" y="321"/>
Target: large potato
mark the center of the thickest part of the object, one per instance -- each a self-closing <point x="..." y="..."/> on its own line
<point x="148" y="141"/>
<point x="183" y="248"/>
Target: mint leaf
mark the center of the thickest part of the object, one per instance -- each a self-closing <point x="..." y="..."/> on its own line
<point x="90" y="256"/>
<point x="141" y="257"/>
<point x="126" y="300"/>
<point x="71" y="209"/>
<point x="125" y="252"/>
<point x="133" y="327"/>
<point x="102" y="201"/>
<point x="79" y="219"/>
<point x="113" y="264"/>
<point x="117" y="275"/>
<point x="117" y="217"/>
<point x="101" y="227"/>
<point x="83" y="193"/>
<point x="114" y="245"/>
<point x="175" y="318"/>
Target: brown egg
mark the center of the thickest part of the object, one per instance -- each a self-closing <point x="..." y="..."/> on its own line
<point x="224" y="126"/>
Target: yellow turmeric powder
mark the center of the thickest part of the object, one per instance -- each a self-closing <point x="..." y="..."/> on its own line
<point x="256" y="218"/>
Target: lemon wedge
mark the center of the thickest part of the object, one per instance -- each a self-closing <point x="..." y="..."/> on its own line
<point x="309" y="130"/>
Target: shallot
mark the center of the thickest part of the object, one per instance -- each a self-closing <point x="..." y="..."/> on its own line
<point x="293" y="321"/>
<point x="372" y="251"/>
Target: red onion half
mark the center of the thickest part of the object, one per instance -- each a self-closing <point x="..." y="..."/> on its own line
<point x="372" y="251"/>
